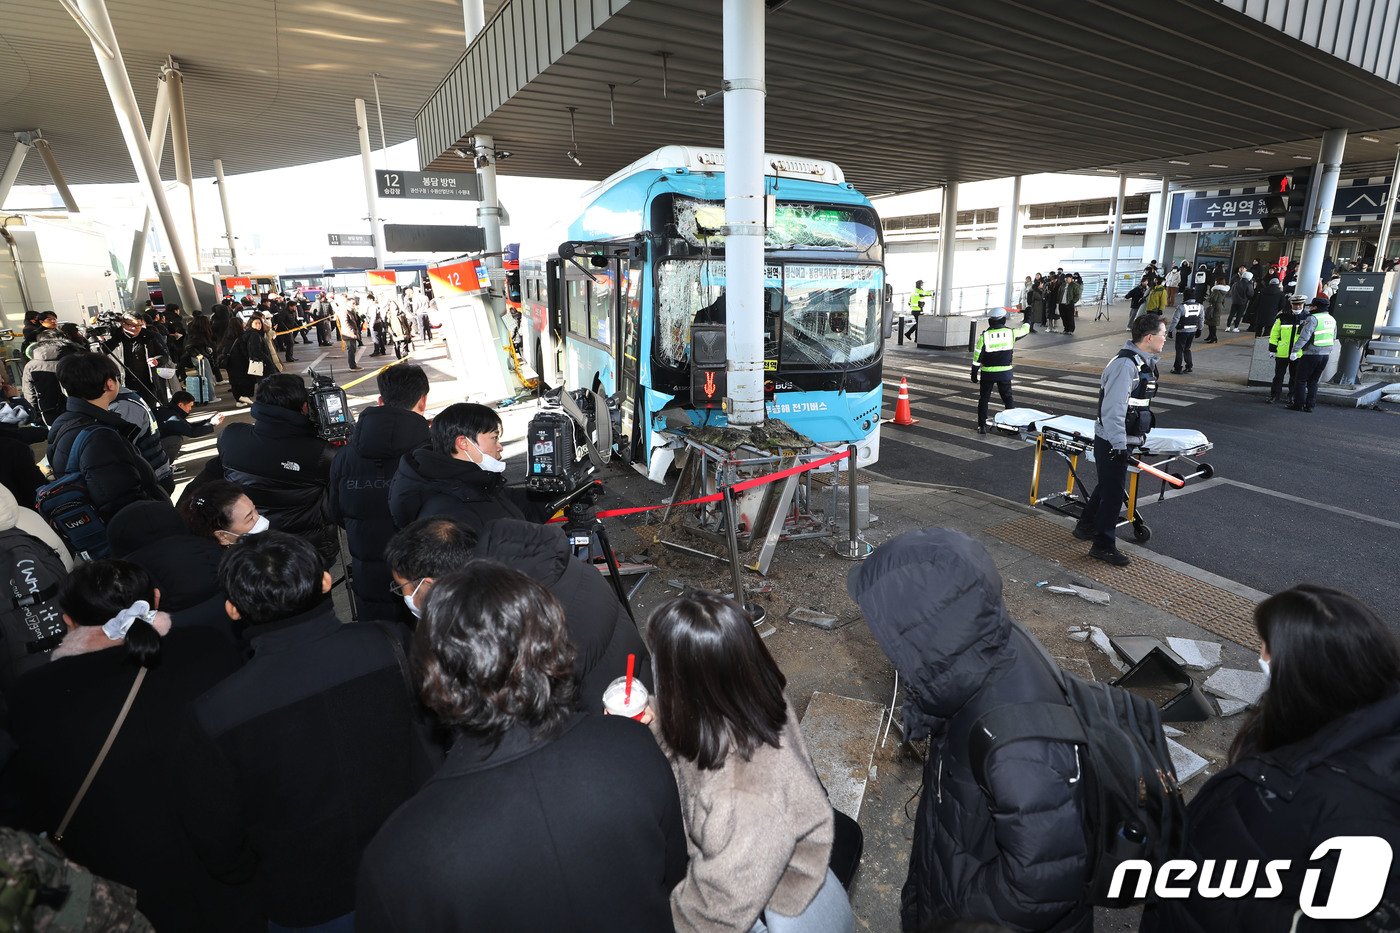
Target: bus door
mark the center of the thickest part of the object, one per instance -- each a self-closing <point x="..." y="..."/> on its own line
<point x="628" y="342"/>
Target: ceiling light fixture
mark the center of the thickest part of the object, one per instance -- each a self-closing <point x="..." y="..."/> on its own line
<point x="1218" y="165"/>
<point x="1177" y="162"/>
<point x="1370" y="139"/>
<point x="1253" y="168"/>
<point x="1264" y="151"/>
<point x="1303" y="158"/>
<point x="572" y="154"/>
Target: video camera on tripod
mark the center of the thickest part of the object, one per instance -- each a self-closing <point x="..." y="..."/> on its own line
<point x="329" y="409"/>
<point x="567" y="440"/>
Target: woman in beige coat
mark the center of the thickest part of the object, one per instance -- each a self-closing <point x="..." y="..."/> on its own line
<point x="758" y="822"/>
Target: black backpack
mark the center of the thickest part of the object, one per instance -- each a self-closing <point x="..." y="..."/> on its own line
<point x="1133" y="804"/>
<point x="31" y="623"/>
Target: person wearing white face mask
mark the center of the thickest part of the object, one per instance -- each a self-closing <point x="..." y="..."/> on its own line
<point x="222" y="511"/>
<point x="460" y="475"/>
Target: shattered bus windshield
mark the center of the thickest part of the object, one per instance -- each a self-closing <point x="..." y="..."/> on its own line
<point x="816" y="315"/>
<point x="795" y="226"/>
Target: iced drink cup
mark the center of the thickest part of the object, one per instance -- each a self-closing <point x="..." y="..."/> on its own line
<point x="634" y="707"/>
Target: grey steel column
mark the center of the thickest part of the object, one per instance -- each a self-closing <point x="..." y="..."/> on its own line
<point x="1317" y="224"/>
<point x="1013" y="242"/>
<point x="1159" y="236"/>
<point x="488" y="210"/>
<point x="91" y="16"/>
<point x="228" y="217"/>
<point x="160" y="122"/>
<point x="55" y="173"/>
<point x="1383" y="243"/>
<point x="180" y="145"/>
<point x="376" y="226"/>
<point x="7" y="179"/>
<point x="744" y="201"/>
<point x="473" y="19"/>
<point x="947" y="247"/>
<point x="1117" y="237"/>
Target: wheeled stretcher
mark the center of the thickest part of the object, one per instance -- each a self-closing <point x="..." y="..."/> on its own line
<point x="1071" y="437"/>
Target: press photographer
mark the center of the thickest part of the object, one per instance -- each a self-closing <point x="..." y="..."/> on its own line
<point x="461" y="475"/>
<point x="281" y="462"/>
<point x="137" y="351"/>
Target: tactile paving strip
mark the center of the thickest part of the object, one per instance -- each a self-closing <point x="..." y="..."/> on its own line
<point x="1213" y="609"/>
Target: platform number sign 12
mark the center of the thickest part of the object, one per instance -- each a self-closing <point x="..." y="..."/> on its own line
<point x="459" y="278"/>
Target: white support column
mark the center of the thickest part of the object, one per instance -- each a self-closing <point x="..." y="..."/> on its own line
<point x="488" y="210"/>
<point x="473" y="19"/>
<point x="947" y="247"/>
<point x="376" y="225"/>
<point x="1317" y="224"/>
<point x="1013" y="243"/>
<point x="1117" y="237"/>
<point x="228" y="217"/>
<point x="7" y="179"/>
<point x="160" y="122"/>
<point x="1389" y="218"/>
<point x="180" y="146"/>
<point x="1159" y="236"/>
<point x="92" y="18"/>
<point x="744" y="202"/>
<point x="56" y="173"/>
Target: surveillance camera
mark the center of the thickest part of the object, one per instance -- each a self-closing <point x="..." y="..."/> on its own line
<point x="701" y="93"/>
<point x="573" y="156"/>
<point x="503" y="154"/>
<point x="460" y="154"/>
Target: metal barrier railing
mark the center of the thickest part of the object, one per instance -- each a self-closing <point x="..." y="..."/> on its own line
<point x="974" y="299"/>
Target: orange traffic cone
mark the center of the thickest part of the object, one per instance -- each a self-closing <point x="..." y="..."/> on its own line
<point x="902" y="416"/>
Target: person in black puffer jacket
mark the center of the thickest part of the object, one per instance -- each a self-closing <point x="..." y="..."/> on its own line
<point x="183" y="566"/>
<point x="281" y="463"/>
<point x="40" y="379"/>
<point x="1016" y="854"/>
<point x="460" y="476"/>
<point x="602" y="633"/>
<point x="359" y="490"/>
<point x="1316" y="760"/>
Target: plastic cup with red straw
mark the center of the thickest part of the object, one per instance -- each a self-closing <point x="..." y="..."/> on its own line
<point x="627" y="696"/>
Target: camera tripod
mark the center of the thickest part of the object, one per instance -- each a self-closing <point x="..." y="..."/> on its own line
<point x="582" y="525"/>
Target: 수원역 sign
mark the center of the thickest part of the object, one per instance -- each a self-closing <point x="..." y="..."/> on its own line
<point x="1228" y="207"/>
<point x="439" y="186"/>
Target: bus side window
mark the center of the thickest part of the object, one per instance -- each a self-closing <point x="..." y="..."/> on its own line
<point x="576" y="300"/>
<point x="600" y="300"/>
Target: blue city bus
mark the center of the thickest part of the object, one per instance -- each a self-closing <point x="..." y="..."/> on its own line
<point x="648" y="262"/>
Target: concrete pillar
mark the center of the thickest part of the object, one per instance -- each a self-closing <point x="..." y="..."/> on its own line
<point x="376" y="224"/>
<point x="1013" y="243"/>
<point x="1159" y="235"/>
<point x="473" y="19"/>
<point x="1117" y="236"/>
<point x="1317" y="224"/>
<point x="7" y="178"/>
<point x="92" y="18"/>
<point x="180" y="146"/>
<point x="488" y="210"/>
<point x="947" y="247"/>
<point x="160" y="122"/>
<point x="744" y="203"/>
<point x="228" y="217"/>
<point x="1384" y="242"/>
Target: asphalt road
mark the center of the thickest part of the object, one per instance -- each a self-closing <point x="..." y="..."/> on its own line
<point x="1296" y="497"/>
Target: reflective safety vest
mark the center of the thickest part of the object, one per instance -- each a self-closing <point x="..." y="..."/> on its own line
<point x="916" y="300"/>
<point x="995" y="346"/>
<point x="1140" y="418"/>
<point x="1190" y="319"/>
<point x="1326" y="332"/>
<point x="1281" y="337"/>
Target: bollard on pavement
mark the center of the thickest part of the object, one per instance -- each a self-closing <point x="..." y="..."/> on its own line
<point x="856" y="547"/>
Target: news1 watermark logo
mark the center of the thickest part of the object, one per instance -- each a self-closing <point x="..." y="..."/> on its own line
<point x="1358" y="881"/>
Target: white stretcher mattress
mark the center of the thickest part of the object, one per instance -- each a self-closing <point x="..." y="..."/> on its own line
<point x="1170" y="442"/>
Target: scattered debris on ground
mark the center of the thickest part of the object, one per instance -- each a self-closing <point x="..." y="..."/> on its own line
<point x="1242" y="686"/>
<point x="1099" y="597"/>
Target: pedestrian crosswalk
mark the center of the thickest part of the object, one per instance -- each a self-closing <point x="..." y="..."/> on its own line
<point x="944" y="400"/>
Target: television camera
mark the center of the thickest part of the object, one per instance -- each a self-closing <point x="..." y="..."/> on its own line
<point x="569" y="438"/>
<point x="329" y="409"/>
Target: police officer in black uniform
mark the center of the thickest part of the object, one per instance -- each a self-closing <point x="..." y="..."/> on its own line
<point x="1125" y="416"/>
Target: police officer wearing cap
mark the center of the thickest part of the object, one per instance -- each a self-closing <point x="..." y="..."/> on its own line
<point x="1317" y="331"/>
<point x="916" y="305"/>
<point x="1126" y="388"/>
<point x="1283" y="335"/>
<point x="991" y="362"/>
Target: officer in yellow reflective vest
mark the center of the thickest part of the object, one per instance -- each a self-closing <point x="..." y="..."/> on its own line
<point x="1317" y="331"/>
<point x="991" y="362"/>
<point x="1282" y="335"/>
<point x="916" y="305"/>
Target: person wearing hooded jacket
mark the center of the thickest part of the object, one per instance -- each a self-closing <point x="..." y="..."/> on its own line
<point x="460" y="475"/>
<point x="1015" y="853"/>
<point x="40" y="379"/>
<point x="359" y="489"/>
<point x="281" y="463"/>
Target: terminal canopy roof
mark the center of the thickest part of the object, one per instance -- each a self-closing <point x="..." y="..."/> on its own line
<point x="905" y="95"/>
<point x="268" y="83"/>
